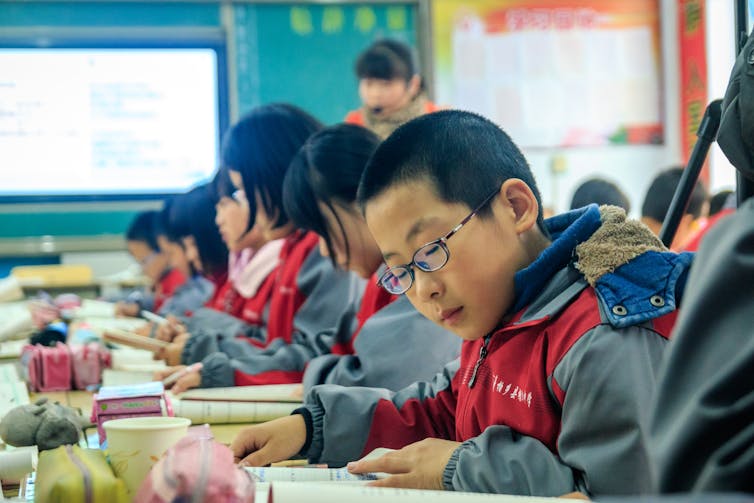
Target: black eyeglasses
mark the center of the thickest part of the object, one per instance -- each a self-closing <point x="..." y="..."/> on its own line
<point x="428" y="258"/>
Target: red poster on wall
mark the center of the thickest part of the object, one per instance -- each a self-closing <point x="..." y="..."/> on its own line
<point x="693" y="72"/>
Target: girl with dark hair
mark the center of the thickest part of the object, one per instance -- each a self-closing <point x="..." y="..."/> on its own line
<point x="184" y="219"/>
<point x="301" y="307"/>
<point x="319" y="195"/>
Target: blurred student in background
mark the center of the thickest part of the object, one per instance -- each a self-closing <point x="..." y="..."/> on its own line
<point x="141" y="241"/>
<point x="599" y="191"/>
<point x="320" y="195"/>
<point x="185" y="218"/>
<point x="390" y="88"/>
<point x="305" y="304"/>
<point x="657" y="202"/>
<point x="721" y="205"/>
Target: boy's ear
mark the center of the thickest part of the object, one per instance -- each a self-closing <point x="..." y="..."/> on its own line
<point x="522" y="201"/>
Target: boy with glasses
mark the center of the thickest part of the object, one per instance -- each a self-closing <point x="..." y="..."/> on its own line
<point x="564" y="325"/>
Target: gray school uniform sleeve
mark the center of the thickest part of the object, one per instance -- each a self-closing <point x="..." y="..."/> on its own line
<point x="326" y="316"/>
<point x="395" y="347"/>
<point x="608" y="377"/>
<point x="703" y="417"/>
<point x="342" y="417"/>
<point x="188" y="297"/>
<point x="207" y="328"/>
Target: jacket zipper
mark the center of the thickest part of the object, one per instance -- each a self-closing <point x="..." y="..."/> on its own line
<point x="88" y="496"/>
<point x="482" y="356"/>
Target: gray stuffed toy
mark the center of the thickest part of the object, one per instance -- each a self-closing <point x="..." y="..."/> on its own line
<point x="44" y="424"/>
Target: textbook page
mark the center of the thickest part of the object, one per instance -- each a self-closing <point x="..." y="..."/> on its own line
<point x="287" y="474"/>
<point x="261" y="393"/>
<point x="295" y="492"/>
<point x="217" y="412"/>
<point x="118" y="377"/>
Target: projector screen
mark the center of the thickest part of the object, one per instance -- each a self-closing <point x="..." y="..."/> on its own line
<point x="108" y="123"/>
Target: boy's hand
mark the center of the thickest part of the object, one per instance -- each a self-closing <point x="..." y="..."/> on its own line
<point x="266" y="443"/>
<point x="159" y="375"/>
<point x="419" y="465"/>
<point x="169" y="331"/>
<point x="126" y="309"/>
<point x="173" y="351"/>
<point x="190" y="380"/>
<point x="144" y="330"/>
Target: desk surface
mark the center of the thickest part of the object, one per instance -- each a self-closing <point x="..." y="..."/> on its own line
<point x="223" y="433"/>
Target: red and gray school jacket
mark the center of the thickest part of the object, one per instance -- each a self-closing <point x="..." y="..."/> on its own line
<point x="392" y="346"/>
<point x="188" y="297"/>
<point x="555" y="400"/>
<point x="310" y="307"/>
<point x="170" y="281"/>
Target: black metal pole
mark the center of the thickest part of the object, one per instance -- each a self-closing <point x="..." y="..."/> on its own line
<point x="744" y="186"/>
<point x="706" y="134"/>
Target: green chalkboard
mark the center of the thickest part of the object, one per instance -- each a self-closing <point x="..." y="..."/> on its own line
<point x="304" y="53"/>
<point x="301" y="53"/>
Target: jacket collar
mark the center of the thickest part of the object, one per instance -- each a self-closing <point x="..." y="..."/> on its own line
<point x="567" y="231"/>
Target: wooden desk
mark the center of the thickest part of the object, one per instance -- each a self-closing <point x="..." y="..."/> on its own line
<point x="223" y="433"/>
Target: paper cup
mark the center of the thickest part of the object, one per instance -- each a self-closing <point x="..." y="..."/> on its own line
<point x="16" y="463"/>
<point x="135" y="444"/>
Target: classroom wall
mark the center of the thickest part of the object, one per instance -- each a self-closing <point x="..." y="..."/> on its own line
<point x="632" y="167"/>
<point x="300" y="52"/>
<point x="270" y="51"/>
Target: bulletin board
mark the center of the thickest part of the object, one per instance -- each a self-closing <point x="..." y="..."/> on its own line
<point x="554" y="73"/>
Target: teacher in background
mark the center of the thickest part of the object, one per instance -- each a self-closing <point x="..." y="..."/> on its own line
<point x="390" y="88"/>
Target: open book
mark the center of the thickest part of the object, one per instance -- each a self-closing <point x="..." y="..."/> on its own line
<point x="262" y="393"/>
<point x="238" y="404"/>
<point x="306" y="474"/>
<point x="218" y="412"/>
<point x="133" y="340"/>
<point x="290" y="492"/>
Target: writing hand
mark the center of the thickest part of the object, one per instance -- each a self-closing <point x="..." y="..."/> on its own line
<point x="419" y="465"/>
<point x="173" y="351"/>
<point x="169" y="331"/>
<point x="161" y="374"/>
<point x="266" y="443"/>
<point x="190" y="380"/>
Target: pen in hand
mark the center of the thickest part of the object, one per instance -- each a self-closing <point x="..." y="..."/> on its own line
<point x="154" y="318"/>
<point x="172" y="378"/>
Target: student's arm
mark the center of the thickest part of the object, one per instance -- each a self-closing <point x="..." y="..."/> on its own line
<point x="328" y="314"/>
<point x="347" y="423"/>
<point x="208" y="328"/>
<point x="395" y="347"/>
<point x="607" y="380"/>
<point x="188" y="297"/>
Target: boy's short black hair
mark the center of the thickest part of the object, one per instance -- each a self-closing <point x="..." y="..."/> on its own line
<point x="464" y="155"/>
<point x="260" y="146"/>
<point x="327" y="169"/>
<point x="386" y="59"/>
<point x="660" y="195"/>
<point x="599" y="191"/>
<point x="143" y="228"/>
